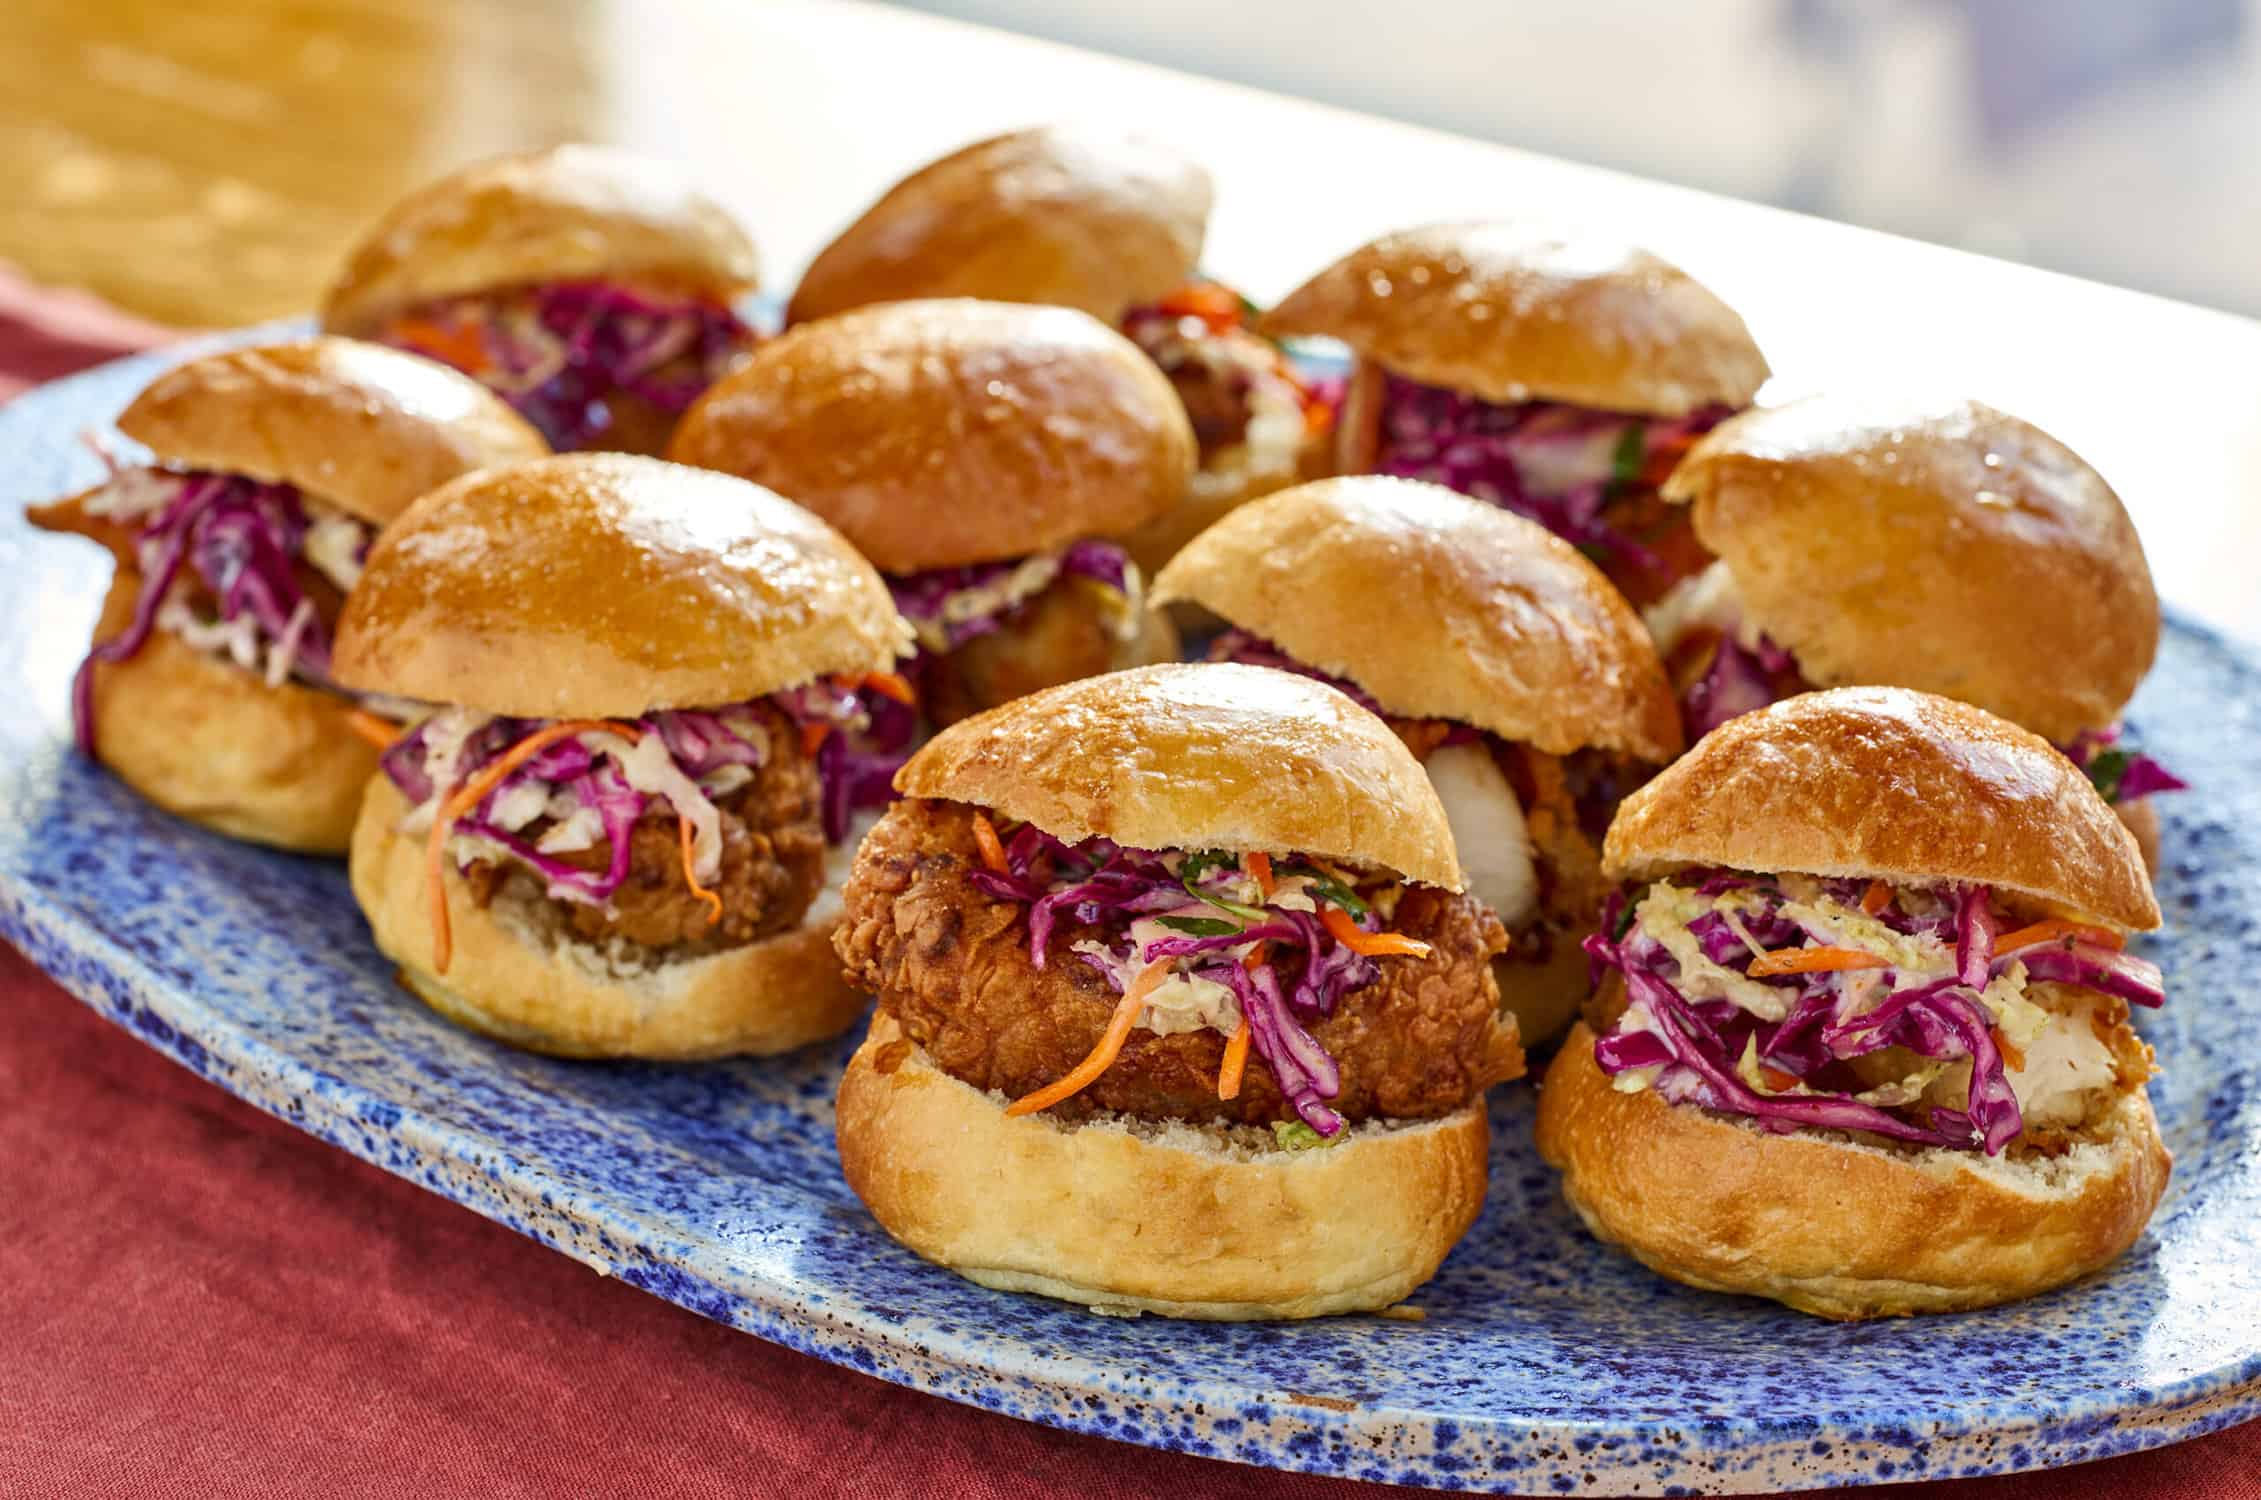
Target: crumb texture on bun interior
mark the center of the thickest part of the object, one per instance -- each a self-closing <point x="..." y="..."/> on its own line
<point x="1966" y="552"/>
<point x="1094" y="219"/>
<point x="937" y="434"/>
<point x="1203" y="756"/>
<point x="568" y="213"/>
<point x="1131" y="1215"/>
<point x="1514" y="312"/>
<point x="214" y="744"/>
<point x="1885" y="783"/>
<point x="599" y="584"/>
<point x="1833" y="1226"/>
<point x="518" y="975"/>
<point x="364" y="427"/>
<point x="1440" y="607"/>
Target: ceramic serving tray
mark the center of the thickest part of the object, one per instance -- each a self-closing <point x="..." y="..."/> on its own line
<point x="1543" y="1363"/>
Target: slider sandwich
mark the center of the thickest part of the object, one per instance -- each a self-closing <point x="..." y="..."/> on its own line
<point x="1112" y="224"/>
<point x="210" y="688"/>
<point x="591" y="288"/>
<point x="662" y="697"/>
<point x="988" y="458"/>
<point x="1180" y="1010"/>
<point x="1554" y="375"/>
<point x="1939" y="545"/>
<point x="1515" y="674"/>
<point x="1862" y="1044"/>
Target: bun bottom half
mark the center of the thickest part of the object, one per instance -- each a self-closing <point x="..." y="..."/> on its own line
<point x="1828" y="1225"/>
<point x="210" y="742"/>
<point x="517" y="973"/>
<point x="1150" y="1217"/>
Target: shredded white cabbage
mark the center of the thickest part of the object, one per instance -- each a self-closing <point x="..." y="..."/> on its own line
<point x="333" y="543"/>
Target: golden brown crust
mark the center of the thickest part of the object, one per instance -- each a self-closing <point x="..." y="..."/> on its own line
<point x="569" y="213"/>
<point x="1092" y="219"/>
<point x="1171" y="1220"/>
<point x="1201" y="756"/>
<point x="216" y="745"/>
<point x="1216" y="491"/>
<point x="1892" y="784"/>
<point x="1966" y="553"/>
<point x="1440" y="607"/>
<point x="364" y="427"/>
<point x="518" y="977"/>
<point x="1518" y="312"/>
<point x="1828" y="1225"/>
<point x="605" y="584"/>
<point x="935" y="434"/>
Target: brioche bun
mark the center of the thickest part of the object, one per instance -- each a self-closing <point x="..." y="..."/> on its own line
<point x="1198" y="756"/>
<point x="210" y="742"/>
<point x="935" y="434"/>
<point x="601" y="584"/>
<point x="570" y="213"/>
<point x="1967" y="553"/>
<point x="1885" y="783"/>
<point x="1139" y="1216"/>
<point x="1094" y="219"/>
<point x="1833" y="1226"/>
<point x="519" y="975"/>
<point x="366" y="428"/>
<point x="1514" y="312"/>
<point x="1440" y="607"/>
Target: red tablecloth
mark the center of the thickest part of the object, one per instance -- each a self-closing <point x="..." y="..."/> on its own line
<point x="196" y="1299"/>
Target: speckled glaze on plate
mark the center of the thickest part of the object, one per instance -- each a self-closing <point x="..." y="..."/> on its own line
<point x="1546" y="1364"/>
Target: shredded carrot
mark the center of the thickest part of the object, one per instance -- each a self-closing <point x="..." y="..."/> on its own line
<point x="891" y="685"/>
<point x="992" y="847"/>
<point x="814" y="732"/>
<point x="713" y="901"/>
<point x="378" y="732"/>
<point x="1777" y="1080"/>
<point x="1877" y="897"/>
<point x="455" y="344"/>
<point x="1370" y="944"/>
<point x="1102" y="1057"/>
<point x="470" y="795"/>
<point x="1813" y="961"/>
<point x="1260" y="866"/>
<point x="1318" y="416"/>
<point x="2056" y="927"/>
<point x="2011" y="1052"/>
<point x="1212" y="304"/>
<point x="1235" y="1063"/>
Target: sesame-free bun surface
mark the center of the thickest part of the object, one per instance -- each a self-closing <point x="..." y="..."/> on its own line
<point x="517" y="974"/>
<point x="1094" y="219"/>
<point x="1831" y="1225"/>
<point x="935" y="434"/>
<point x="1200" y="756"/>
<point x="1517" y="312"/>
<point x="208" y="741"/>
<point x="604" y="584"/>
<point x="1885" y="783"/>
<point x="1440" y="607"/>
<point x="1142" y="1217"/>
<point x="570" y="213"/>
<point x="364" y="427"/>
<point x="1966" y="552"/>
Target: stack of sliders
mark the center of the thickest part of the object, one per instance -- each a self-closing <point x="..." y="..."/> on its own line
<point x="1558" y="375"/>
<point x="1515" y="674"/>
<point x="1863" y="1041"/>
<point x="1937" y="545"/>
<point x="211" y="689"/>
<point x="1180" y="1009"/>
<point x="591" y="288"/>
<point x="1111" y="224"/>
<point x="988" y="457"/>
<point x="621" y="831"/>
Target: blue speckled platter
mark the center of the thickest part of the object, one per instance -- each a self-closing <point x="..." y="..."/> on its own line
<point x="1546" y="1363"/>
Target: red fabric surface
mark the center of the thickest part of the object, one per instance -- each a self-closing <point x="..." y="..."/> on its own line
<point x="196" y="1299"/>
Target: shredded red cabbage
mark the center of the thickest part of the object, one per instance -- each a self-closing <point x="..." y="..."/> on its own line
<point x="1535" y="458"/>
<point x="242" y="539"/>
<point x="561" y="352"/>
<point x="2120" y="772"/>
<point x="1739" y="680"/>
<point x="924" y="598"/>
